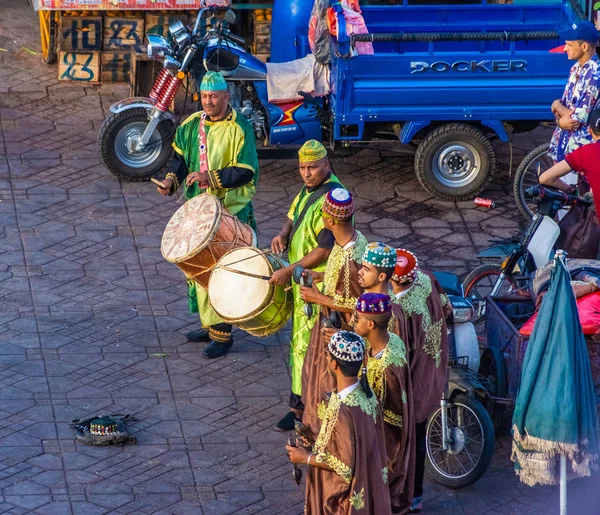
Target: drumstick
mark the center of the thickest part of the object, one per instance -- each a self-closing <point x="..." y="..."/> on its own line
<point x="248" y="274"/>
<point x="158" y="183"/>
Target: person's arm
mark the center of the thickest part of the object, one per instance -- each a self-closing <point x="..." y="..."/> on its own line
<point x="314" y="258"/>
<point x="280" y="242"/>
<point x="587" y="102"/>
<point x="560" y="110"/>
<point x="177" y="170"/>
<point x="302" y="456"/>
<point x="552" y="176"/>
<point x="230" y="177"/>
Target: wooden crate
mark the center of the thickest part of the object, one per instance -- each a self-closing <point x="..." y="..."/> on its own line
<point x="79" y="66"/>
<point x="262" y="45"/>
<point x="144" y="71"/>
<point x="262" y="28"/>
<point x="121" y="33"/>
<point x="80" y="33"/>
<point x="115" y="66"/>
<point x="158" y="24"/>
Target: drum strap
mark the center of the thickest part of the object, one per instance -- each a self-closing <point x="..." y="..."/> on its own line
<point x="315" y="195"/>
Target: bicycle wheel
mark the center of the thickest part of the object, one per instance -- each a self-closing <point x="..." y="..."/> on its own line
<point x="537" y="161"/>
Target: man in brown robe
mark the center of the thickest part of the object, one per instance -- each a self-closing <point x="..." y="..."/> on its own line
<point x="335" y="304"/>
<point x="389" y="377"/>
<point x="347" y="473"/>
<point x="420" y="299"/>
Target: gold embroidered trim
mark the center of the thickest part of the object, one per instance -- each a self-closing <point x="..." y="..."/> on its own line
<point x="444" y="299"/>
<point x="338" y="262"/>
<point x="393" y="354"/>
<point x="433" y="341"/>
<point x="392" y="418"/>
<point x="219" y="336"/>
<point x="321" y="410"/>
<point x="384" y="473"/>
<point x="176" y="184"/>
<point x="337" y="465"/>
<point x="214" y="179"/>
<point x="329" y="420"/>
<point x="357" y="500"/>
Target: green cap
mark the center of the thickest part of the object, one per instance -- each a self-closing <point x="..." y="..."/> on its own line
<point x="213" y="81"/>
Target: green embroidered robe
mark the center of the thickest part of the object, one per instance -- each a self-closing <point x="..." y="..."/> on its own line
<point x="304" y="241"/>
<point x="232" y="176"/>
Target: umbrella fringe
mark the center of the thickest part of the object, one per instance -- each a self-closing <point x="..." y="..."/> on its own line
<point x="537" y="459"/>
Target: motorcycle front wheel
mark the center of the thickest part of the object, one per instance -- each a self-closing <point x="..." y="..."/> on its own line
<point x="470" y="443"/>
<point x="116" y="144"/>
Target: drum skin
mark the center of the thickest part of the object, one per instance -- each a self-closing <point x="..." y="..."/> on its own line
<point x="200" y="233"/>
<point x="250" y="303"/>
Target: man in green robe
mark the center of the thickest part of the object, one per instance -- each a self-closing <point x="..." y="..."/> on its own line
<point x="215" y="152"/>
<point x="308" y="244"/>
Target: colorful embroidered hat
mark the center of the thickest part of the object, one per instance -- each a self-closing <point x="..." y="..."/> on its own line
<point x="312" y="151"/>
<point x="213" y="81"/>
<point x="347" y="346"/>
<point x="339" y="204"/>
<point x="380" y="255"/>
<point x="374" y="304"/>
<point x="406" y="267"/>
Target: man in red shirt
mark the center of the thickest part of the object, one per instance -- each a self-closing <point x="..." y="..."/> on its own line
<point x="584" y="160"/>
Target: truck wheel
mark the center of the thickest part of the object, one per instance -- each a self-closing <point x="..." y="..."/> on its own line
<point x="455" y="162"/>
<point x="470" y="443"/>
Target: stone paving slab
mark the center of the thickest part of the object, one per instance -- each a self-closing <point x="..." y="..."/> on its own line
<point x="92" y="319"/>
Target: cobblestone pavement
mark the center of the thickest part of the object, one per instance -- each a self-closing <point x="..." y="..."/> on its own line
<point x="92" y="320"/>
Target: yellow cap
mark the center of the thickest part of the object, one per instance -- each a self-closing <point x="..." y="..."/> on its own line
<point x="311" y="151"/>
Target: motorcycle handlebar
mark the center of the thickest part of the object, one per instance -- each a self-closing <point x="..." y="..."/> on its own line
<point x="537" y="193"/>
<point x="234" y="37"/>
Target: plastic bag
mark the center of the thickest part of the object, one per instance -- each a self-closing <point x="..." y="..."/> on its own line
<point x="319" y="37"/>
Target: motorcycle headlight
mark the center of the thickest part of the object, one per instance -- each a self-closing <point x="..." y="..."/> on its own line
<point x="462" y="310"/>
<point x="179" y="33"/>
<point x="158" y="47"/>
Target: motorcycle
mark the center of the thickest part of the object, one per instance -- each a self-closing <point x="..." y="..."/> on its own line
<point x="521" y="255"/>
<point x="134" y="142"/>
<point x="460" y="434"/>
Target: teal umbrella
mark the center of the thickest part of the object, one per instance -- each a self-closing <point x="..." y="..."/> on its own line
<point x="555" y="417"/>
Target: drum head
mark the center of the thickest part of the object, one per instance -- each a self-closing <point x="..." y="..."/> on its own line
<point x="191" y="228"/>
<point x="237" y="296"/>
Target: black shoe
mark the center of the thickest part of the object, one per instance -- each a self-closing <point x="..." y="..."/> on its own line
<point x="198" y="336"/>
<point x="216" y="349"/>
<point x="287" y="423"/>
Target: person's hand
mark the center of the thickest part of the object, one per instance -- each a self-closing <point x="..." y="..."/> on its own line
<point x="168" y="182"/>
<point x="555" y="106"/>
<point x="281" y="277"/>
<point x="297" y="454"/>
<point x="310" y="295"/>
<point x="317" y="277"/>
<point x="279" y="244"/>
<point x="567" y="123"/>
<point x="327" y="333"/>
<point x="198" y="177"/>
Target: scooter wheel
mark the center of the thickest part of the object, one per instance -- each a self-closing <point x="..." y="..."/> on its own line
<point x="470" y="443"/>
<point x="118" y="135"/>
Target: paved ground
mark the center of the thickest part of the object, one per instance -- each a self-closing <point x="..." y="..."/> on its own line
<point x="92" y="320"/>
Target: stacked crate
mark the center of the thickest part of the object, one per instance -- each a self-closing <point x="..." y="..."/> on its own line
<point x="262" y="34"/>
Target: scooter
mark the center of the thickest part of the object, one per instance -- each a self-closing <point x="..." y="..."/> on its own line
<point x="134" y="142"/>
<point x="460" y="434"/>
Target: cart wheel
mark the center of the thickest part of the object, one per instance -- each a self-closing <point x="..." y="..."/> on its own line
<point x="470" y="443"/>
<point x="48" y="28"/>
<point x="492" y="367"/>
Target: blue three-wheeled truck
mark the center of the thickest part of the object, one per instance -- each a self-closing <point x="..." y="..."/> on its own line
<point x="445" y="78"/>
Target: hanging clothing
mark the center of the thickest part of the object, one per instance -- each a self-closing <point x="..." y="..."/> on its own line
<point x="341" y="284"/>
<point x="389" y="377"/>
<point x="351" y="442"/>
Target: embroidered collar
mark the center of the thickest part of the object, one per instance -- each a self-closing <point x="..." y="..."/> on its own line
<point x="347" y="391"/>
<point x="229" y="118"/>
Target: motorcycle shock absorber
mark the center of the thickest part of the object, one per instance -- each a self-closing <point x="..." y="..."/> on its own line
<point x="167" y="95"/>
<point x="159" y="84"/>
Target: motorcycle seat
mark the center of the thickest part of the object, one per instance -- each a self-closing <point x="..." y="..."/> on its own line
<point x="450" y="283"/>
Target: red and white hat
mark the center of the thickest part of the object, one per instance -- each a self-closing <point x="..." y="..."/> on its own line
<point x="407" y="266"/>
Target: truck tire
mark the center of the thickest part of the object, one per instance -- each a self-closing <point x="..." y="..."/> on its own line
<point x="455" y="162"/>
